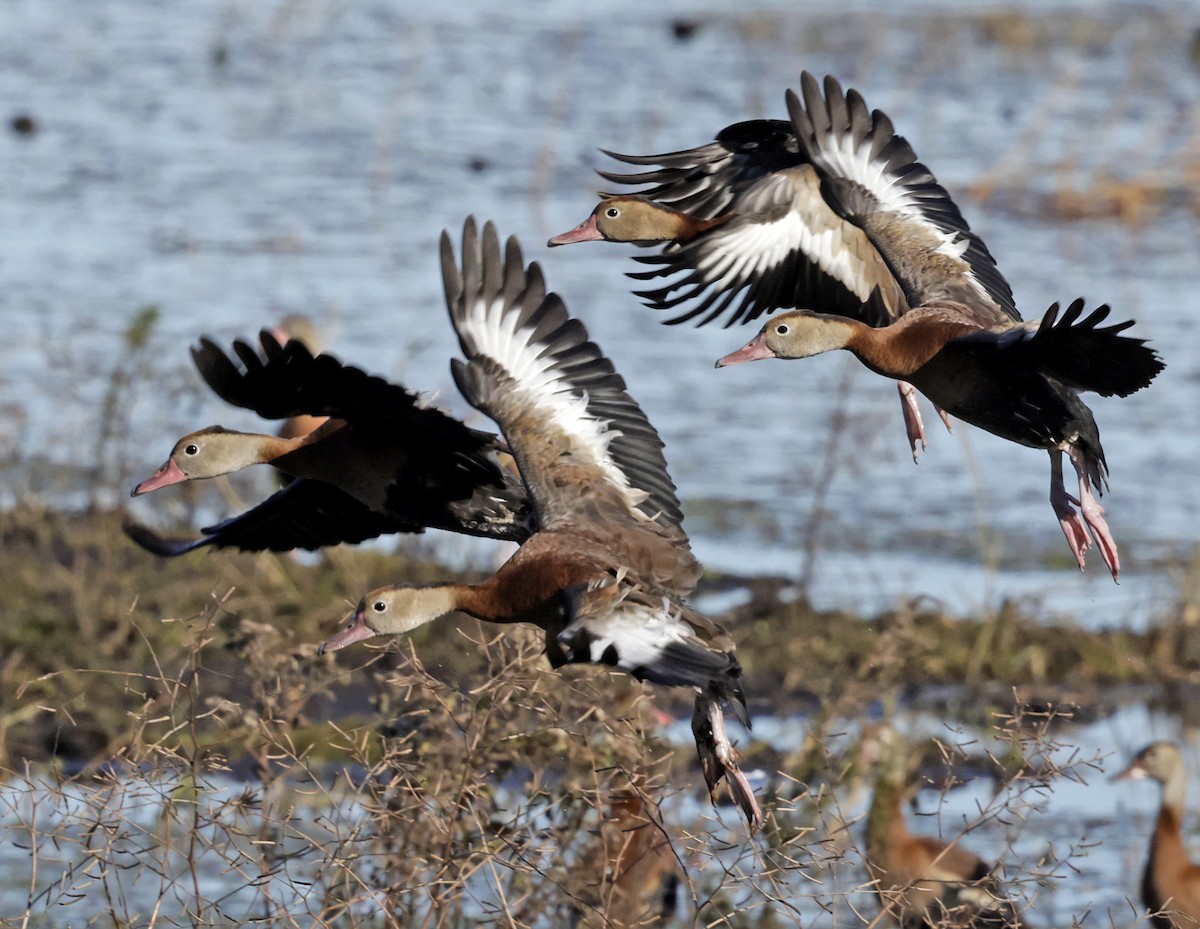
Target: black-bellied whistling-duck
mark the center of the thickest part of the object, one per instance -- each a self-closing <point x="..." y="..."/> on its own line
<point x="382" y="462"/>
<point x="604" y="573"/>
<point x="755" y="222"/>
<point x="298" y="327"/>
<point x="921" y="880"/>
<point x="1171" y="881"/>
<point x="832" y="212"/>
<point x="1019" y="381"/>
<point x="633" y="873"/>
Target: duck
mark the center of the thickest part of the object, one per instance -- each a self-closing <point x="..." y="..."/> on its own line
<point x="382" y="461"/>
<point x="298" y="327"/>
<point x="754" y="222"/>
<point x="1018" y="381"/>
<point x="606" y="572"/>
<point x="921" y="880"/>
<point x="830" y="212"/>
<point x="1171" y="881"/>
<point x="633" y="874"/>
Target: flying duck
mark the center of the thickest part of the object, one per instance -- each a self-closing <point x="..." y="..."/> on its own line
<point x="1019" y="381"/>
<point x="606" y="571"/>
<point x="381" y="462"/>
<point x="831" y="212"/>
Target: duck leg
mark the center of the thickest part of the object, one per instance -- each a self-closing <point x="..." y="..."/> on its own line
<point x="1093" y="513"/>
<point x="913" y="424"/>
<point x="1074" y="525"/>
<point x="718" y="757"/>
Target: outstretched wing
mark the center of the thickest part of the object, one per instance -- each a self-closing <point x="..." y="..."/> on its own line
<point x="288" y="380"/>
<point x="1080" y="353"/>
<point x="584" y="447"/>
<point x="872" y="177"/>
<point x="704" y="182"/>
<point x="305" y="514"/>
<point x="783" y="247"/>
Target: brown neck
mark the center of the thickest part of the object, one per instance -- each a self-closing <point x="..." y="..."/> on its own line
<point x="1168" y="854"/>
<point x="694" y="227"/>
<point x="528" y="587"/>
<point x="301" y="456"/>
<point x="906" y="345"/>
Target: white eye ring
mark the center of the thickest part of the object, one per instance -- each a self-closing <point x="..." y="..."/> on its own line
<point x="191" y="449"/>
<point x="781" y="329"/>
<point x="379" y="606"/>
<point x="612" y="212"/>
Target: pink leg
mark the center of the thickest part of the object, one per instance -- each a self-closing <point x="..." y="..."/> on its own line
<point x="913" y="424"/>
<point x="1072" y="525"/>
<point x="718" y="758"/>
<point x="945" y="419"/>
<point x="1093" y="514"/>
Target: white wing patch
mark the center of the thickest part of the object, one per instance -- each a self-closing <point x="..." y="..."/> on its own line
<point x="638" y="633"/>
<point x="842" y="159"/>
<point x="496" y="335"/>
<point x="753" y="250"/>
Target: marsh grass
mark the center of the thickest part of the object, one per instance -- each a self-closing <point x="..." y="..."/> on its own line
<point x="178" y="755"/>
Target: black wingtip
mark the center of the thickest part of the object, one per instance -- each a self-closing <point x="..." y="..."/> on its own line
<point x="159" y="545"/>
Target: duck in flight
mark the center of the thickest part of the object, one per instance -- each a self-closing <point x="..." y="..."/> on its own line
<point x="381" y="461"/>
<point x="830" y="212"/>
<point x="605" y="572"/>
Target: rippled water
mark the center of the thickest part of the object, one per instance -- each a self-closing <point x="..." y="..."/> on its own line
<point x="233" y="162"/>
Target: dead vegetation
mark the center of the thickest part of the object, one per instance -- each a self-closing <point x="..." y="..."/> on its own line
<point x="169" y="731"/>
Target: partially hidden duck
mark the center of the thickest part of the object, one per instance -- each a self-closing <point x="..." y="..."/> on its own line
<point x="1171" y="880"/>
<point x="923" y="881"/>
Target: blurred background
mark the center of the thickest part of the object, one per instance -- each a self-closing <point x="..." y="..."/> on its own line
<point x="228" y="164"/>
<point x="199" y="167"/>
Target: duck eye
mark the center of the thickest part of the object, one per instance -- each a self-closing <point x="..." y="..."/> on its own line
<point x="379" y="606"/>
<point x="612" y="212"/>
<point x="191" y="449"/>
<point x="781" y="329"/>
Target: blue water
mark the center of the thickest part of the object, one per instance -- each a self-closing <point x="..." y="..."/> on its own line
<point x="231" y="163"/>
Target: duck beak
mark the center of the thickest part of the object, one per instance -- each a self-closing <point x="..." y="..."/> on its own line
<point x="1135" y="772"/>
<point x="356" y="630"/>
<point x="165" y="476"/>
<point x="754" y="350"/>
<point x="586" y="231"/>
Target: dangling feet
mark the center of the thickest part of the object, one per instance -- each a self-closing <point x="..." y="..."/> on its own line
<point x="1090" y="516"/>
<point x="718" y="757"/>
<point x="913" y="424"/>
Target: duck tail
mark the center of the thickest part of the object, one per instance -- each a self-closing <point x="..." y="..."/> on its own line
<point x="731" y="693"/>
<point x="1088" y="356"/>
